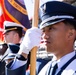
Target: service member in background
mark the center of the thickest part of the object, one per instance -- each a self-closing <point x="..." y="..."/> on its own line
<point x="13" y="32"/>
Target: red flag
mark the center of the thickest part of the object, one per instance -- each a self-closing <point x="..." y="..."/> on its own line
<point x="1" y="22"/>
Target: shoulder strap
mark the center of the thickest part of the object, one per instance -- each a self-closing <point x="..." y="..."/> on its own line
<point x="65" y="65"/>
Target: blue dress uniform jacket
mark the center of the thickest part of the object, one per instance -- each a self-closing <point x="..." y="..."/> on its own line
<point x="2" y="67"/>
<point x="40" y="63"/>
<point x="65" y="66"/>
<point x="18" y="71"/>
<point x="69" y="69"/>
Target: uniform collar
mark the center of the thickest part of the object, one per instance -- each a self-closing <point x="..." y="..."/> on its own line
<point x="64" y="59"/>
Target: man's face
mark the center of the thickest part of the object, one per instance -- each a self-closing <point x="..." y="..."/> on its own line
<point x="9" y="36"/>
<point x="56" y="37"/>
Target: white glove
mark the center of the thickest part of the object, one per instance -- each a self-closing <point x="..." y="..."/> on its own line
<point x="31" y="39"/>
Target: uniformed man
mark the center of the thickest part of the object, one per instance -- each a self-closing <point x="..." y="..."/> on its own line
<point x="59" y="32"/>
<point x="13" y="32"/>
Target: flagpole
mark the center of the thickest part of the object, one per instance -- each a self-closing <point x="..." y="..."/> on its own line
<point x="34" y="50"/>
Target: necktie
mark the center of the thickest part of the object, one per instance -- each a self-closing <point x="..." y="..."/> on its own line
<point x="54" y="69"/>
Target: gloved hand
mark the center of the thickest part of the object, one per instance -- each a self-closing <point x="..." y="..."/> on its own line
<point x="31" y="39"/>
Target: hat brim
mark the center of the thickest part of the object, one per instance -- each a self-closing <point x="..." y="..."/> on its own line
<point x="9" y="29"/>
<point x="5" y="31"/>
<point x="50" y="22"/>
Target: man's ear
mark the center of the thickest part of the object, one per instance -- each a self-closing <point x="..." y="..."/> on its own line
<point x="72" y="33"/>
<point x="15" y="35"/>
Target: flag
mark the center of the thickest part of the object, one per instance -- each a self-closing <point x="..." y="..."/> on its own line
<point x="14" y="11"/>
<point x="1" y="23"/>
<point x="30" y="6"/>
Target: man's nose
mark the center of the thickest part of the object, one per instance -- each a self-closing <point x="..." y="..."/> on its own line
<point x="45" y="36"/>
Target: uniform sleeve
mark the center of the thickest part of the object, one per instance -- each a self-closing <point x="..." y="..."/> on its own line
<point x="17" y="63"/>
<point x="20" y="69"/>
